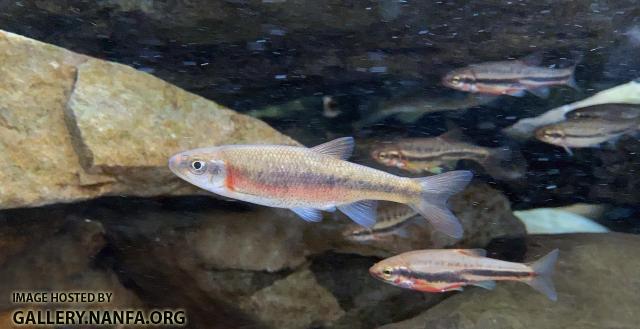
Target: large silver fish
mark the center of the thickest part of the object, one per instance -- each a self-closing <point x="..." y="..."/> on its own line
<point x="308" y="180"/>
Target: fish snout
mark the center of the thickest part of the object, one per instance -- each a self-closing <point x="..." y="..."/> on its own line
<point x="176" y="163"/>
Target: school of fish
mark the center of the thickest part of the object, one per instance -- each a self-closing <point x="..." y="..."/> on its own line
<point x="311" y="180"/>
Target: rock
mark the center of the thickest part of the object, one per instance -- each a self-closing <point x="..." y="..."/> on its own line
<point x="485" y="214"/>
<point x="73" y="127"/>
<point x="297" y="301"/>
<point x="585" y="260"/>
<point x="367" y="301"/>
<point x="59" y="254"/>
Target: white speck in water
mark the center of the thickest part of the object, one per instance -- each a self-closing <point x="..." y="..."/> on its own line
<point x="551" y="187"/>
<point x="423" y="32"/>
<point x="378" y="69"/>
<point x="280" y="76"/>
<point x="278" y="32"/>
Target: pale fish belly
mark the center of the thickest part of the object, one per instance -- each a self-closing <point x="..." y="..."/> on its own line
<point x="295" y="177"/>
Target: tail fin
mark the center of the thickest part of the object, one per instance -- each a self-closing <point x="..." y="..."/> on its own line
<point x="577" y="58"/>
<point x="543" y="269"/>
<point x="433" y="204"/>
<point x="505" y="163"/>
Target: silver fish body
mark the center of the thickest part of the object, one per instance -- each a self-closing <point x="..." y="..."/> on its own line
<point x="587" y="132"/>
<point x="512" y="77"/>
<point x="310" y="180"/>
<point x="452" y="269"/>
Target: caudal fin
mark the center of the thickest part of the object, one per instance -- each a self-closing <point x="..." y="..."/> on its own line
<point x="505" y="163"/>
<point x="543" y="270"/>
<point x="436" y="190"/>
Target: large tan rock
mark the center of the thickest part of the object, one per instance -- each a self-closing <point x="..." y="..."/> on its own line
<point x="74" y="127"/>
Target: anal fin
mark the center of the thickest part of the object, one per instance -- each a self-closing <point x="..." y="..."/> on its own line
<point x="361" y="212"/>
<point x="308" y="214"/>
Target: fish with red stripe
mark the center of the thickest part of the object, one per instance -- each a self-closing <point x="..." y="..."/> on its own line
<point x="513" y="77"/>
<point x="441" y="270"/>
<point x="311" y="180"/>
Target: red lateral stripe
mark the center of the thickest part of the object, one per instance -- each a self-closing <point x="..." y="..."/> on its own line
<point x="229" y="181"/>
<point x="242" y="182"/>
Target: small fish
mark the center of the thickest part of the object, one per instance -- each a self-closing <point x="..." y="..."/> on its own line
<point x="512" y="77"/>
<point x="585" y="132"/>
<point x="308" y="180"/>
<point x="409" y="110"/>
<point x="606" y="112"/>
<point x="436" y="154"/>
<point x="451" y="269"/>
<point x="628" y="93"/>
<point x="392" y="220"/>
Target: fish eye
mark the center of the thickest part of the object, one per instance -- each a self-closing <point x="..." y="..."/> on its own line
<point x="387" y="272"/>
<point x="382" y="155"/>
<point x="198" y="167"/>
<point x="455" y="80"/>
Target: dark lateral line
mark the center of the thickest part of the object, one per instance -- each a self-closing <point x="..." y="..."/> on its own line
<point x="516" y="80"/>
<point x="492" y="273"/>
<point x="622" y="131"/>
<point x="439" y="155"/>
<point x="456" y="277"/>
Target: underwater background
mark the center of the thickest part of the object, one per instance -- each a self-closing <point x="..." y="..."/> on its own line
<point x="92" y="110"/>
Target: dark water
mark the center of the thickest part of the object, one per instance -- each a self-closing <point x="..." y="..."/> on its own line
<point x="285" y="57"/>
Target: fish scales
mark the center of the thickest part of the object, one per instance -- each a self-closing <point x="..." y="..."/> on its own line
<point x="311" y="180"/>
<point x="451" y="269"/>
<point x="433" y="148"/>
<point x="290" y="173"/>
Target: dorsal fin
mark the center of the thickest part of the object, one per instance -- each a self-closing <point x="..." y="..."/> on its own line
<point x="533" y="59"/>
<point x="340" y="148"/>
<point x="473" y="252"/>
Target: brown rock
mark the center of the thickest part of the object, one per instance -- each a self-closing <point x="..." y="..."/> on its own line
<point x="297" y="301"/>
<point x="73" y="127"/>
<point x="58" y="255"/>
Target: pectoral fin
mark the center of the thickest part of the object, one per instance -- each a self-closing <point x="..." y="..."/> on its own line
<point x="489" y="285"/>
<point x="540" y="92"/>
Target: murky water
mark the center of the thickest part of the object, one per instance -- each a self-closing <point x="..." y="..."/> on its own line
<point x="90" y="205"/>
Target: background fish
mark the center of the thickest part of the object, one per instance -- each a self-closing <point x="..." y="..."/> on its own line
<point x="308" y="180"/>
<point x="393" y="219"/>
<point x="628" y="93"/>
<point x="451" y="269"/>
<point x="435" y="154"/>
<point x="510" y="77"/>
<point x="606" y="112"/>
<point x="588" y="132"/>
<point x="411" y="109"/>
